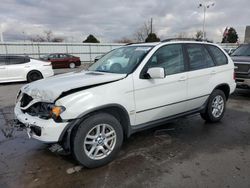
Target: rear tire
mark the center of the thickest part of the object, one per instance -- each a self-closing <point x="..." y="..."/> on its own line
<point x="97" y="140"/>
<point x="33" y="76"/>
<point x="216" y="107"/>
<point x="72" y="65"/>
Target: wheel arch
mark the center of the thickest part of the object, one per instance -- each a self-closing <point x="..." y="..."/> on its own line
<point x="225" y="88"/>
<point x="31" y="71"/>
<point x="117" y="110"/>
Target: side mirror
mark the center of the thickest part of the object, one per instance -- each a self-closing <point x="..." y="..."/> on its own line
<point x="156" y="72"/>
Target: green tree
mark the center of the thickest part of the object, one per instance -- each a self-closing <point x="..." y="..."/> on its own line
<point x="152" y="38"/>
<point x="230" y="36"/>
<point x="91" y="39"/>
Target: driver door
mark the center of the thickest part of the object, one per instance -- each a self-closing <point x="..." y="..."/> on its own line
<point x="160" y="98"/>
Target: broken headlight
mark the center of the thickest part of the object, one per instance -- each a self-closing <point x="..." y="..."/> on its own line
<point x="45" y="110"/>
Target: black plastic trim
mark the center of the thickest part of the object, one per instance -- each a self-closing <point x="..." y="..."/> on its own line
<point x="171" y="104"/>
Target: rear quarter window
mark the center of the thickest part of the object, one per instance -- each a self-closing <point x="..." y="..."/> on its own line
<point x="218" y="55"/>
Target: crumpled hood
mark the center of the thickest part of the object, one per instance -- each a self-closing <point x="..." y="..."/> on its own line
<point x="48" y="90"/>
<point x="238" y="59"/>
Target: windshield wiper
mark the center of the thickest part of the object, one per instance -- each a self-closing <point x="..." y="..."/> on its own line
<point x="102" y="71"/>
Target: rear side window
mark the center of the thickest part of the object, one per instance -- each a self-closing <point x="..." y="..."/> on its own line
<point x="219" y="56"/>
<point x="199" y="57"/>
<point x="18" y="60"/>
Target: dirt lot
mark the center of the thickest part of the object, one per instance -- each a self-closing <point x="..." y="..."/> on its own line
<point x="185" y="153"/>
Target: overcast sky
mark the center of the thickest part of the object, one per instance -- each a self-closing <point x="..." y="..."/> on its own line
<point x="109" y="20"/>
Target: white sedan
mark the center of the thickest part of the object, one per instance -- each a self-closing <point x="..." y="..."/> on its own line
<point x="19" y="68"/>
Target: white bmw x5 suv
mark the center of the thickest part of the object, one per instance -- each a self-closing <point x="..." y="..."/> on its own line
<point x="90" y="112"/>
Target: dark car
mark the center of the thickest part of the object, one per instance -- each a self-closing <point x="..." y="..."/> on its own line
<point x="241" y="58"/>
<point x="60" y="60"/>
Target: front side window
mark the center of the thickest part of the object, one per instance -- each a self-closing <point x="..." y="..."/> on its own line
<point x="170" y="57"/>
<point x="122" y="60"/>
<point x="199" y="57"/>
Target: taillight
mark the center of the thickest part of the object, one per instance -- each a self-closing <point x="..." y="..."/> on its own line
<point x="234" y="77"/>
<point x="47" y="64"/>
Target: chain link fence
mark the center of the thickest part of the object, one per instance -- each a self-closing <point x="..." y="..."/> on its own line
<point x="86" y="51"/>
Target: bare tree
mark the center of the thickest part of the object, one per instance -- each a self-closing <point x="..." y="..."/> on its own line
<point x="47" y="37"/>
<point x="124" y="40"/>
<point x="142" y="33"/>
<point x="182" y="35"/>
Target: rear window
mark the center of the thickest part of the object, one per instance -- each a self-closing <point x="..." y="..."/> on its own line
<point x="218" y="55"/>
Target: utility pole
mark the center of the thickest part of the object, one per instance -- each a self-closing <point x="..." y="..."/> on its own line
<point x="205" y="6"/>
<point x="151" y="25"/>
<point x="1" y="33"/>
<point x="1" y="36"/>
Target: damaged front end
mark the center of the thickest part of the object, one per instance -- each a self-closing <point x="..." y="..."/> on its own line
<point x="42" y="120"/>
<point x="43" y="110"/>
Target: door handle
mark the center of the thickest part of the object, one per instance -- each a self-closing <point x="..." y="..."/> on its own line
<point x="213" y="72"/>
<point x="2" y="68"/>
<point x="183" y="78"/>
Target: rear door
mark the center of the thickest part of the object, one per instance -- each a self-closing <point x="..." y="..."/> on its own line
<point x="3" y="69"/>
<point x="201" y="71"/>
<point x="17" y="67"/>
<point x="54" y="59"/>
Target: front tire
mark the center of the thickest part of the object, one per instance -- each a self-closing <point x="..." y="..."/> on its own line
<point x="216" y="107"/>
<point x="97" y="140"/>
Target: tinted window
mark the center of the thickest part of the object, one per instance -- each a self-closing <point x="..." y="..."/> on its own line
<point x="169" y="57"/>
<point x="199" y="57"/>
<point x="243" y="50"/>
<point x="219" y="56"/>
<point x="53" y="56"/>
<point x="2" y="61"/>
<point x="17" y="60"/>
<point x="63" y="56"/>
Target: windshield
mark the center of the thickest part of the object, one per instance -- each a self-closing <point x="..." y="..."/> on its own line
<point x="122" y="60"/>
<point x="243" y="50"/>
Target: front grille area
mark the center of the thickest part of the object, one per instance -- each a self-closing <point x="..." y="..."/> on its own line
<point x="39" y="109"/>
<point x="26" y="99"/>
<point x="244" y="68"/>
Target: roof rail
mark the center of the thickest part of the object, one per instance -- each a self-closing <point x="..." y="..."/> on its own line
<point x="134" y="43"/>
<point x="185" y="39"/>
